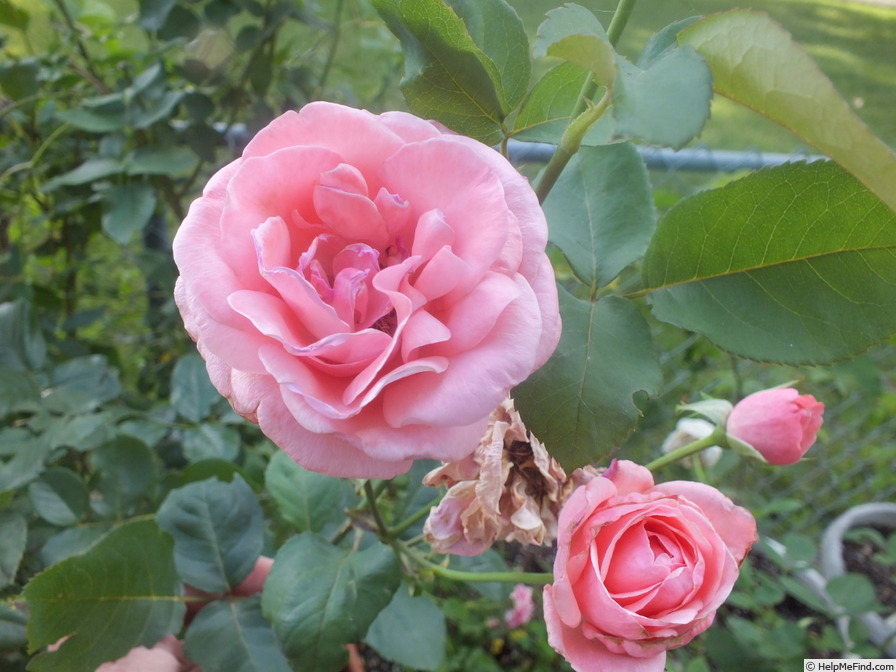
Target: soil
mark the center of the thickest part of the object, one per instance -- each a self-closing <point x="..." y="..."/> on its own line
<point x="859" y="558"/>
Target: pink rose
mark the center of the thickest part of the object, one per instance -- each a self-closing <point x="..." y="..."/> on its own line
<point x="523" y="608"/>
<point x="166" y="656"/>
<point x="780" y="424"/>
<point x="367" y="288"/>
<point x="640" y="568"/>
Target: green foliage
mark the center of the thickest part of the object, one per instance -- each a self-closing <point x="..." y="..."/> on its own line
<point x="308" y="501"/>
<point x="320" y="597"/>
<point x="217" y="531"/>
<point x="115" y="596"/>
<point x="790" y="264"/>
<point x="600" y="212"/>
<point x="468" y="85"/>
<point x="229" y="635"/>
<point x="109" y="127"/>
<point x="755" y="62"/>
<point x="580" y="402"/>
<point x="410" y="631"/>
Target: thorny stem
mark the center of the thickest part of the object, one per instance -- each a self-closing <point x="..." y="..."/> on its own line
<point x="569" y="145"/>
<point x="717" y="438"/>
<point x="585" y="113"/>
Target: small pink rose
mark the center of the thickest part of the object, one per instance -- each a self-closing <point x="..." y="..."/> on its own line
<point x="780" y="424"/>
<point x="166" y="656"/>
<point x="367" y="288"/>
<point x="523" y="608"/>
<point x="640" y="568"/>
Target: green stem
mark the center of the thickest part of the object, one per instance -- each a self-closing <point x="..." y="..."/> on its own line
<point x="569" y="145"/>
<point x="529" y="578"/>
<point x="614" y="32"/>
<point x="374" y="510"/>
<point x="717" y="438"/>
<point x="421" y="513"/>
<point x="620" y="18"/>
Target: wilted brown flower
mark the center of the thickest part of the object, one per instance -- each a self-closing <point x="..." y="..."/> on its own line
<point x="509" y="489"/>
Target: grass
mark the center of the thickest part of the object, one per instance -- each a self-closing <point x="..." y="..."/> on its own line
<point x="854" y="44"/>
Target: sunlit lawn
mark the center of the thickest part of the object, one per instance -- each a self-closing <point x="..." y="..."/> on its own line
<point x="853" y="42"/>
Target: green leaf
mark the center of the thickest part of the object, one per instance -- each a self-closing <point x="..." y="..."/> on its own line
<point x="664" y="100"/>
<point x="13" y="16"/>
<point x="601" y="213"/>
<point x="22" y="345"/>
<point x="12" y="627"/>
<point x="754" y="61"/>
<point x="171" y="161"/>
<point x="14" y="533"/>
<point x="447" y="76"/>
<point x="211" y="441"/>
<point x="28" y="456"/>
<point x="19" y="79"/>
<point x="218" y="532"/>
<point x="580" y="404"/>
<point x="69" y="542"/>
<point x="574" y="34"/>
<point x="119" y="594"/>
<point x="126" y="210"/>
<point x="103" y="120"/>
<point x="17" y="391"/>
<point x="192" y="393"/>
<point x="81" y="384"/>
<point x="159" y="108"/>
<point x="91" y="170"/>
<point x="666" y="103"/>
<point x="154" y="13"/>
<point x="307" y="500"/>
<point x="497" y="29"/>
<point x="234" y="636"/>
<point x="790" y="264"/>
<point x="128" y="472"/>
<point x="319" y="597"/>
<point x="410" y="631"/>
<point x="59" y="496"/>
<point x="854" y="593"/>
<point x="546" y="111"/>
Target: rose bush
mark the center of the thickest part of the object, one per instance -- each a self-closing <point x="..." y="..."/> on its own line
<point x="367" y="288"/>
<point x="640" y="568"/>
<point x="780" y="424"/>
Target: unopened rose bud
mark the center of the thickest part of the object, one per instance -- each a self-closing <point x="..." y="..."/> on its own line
<point x="780" y="424"/>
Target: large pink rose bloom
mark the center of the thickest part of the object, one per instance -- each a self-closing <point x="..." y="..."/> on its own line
<point x="367" y="288"/>
<point x="640" y="568"/>
<point x="780" y="424"/>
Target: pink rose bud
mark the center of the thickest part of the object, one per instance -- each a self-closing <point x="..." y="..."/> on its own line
<point x="367" y="288"/>
<point x="780" y="424"/>
<point x="640" y="568"/>
<point x="523" y="607"/>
